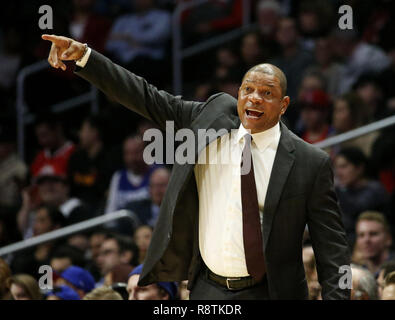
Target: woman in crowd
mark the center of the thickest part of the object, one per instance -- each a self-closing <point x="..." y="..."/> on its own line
<point x="355" y="191"/>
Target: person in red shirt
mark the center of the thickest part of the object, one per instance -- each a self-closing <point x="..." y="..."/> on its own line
<point x="56" y="149"/>
<point x="315" y="107"/>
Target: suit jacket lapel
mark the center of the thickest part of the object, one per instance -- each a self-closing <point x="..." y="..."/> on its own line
<point x="282" y="165"/>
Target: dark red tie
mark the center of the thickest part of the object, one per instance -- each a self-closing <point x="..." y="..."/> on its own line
<point x="252" y="234"/>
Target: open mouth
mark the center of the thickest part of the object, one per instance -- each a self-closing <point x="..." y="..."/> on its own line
<point x="253" y="114"/>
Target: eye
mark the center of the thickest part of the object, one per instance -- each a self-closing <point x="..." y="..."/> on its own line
<point x="247" y="89"/>
<point x="268" y="93"/>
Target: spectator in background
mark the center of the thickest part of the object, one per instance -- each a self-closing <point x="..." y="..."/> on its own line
<point x="268" y="16"/>
<point x="142" y="238"/>
<point x="293" y="59"/>
<point x="96" y="240"/>
<point x="103" y="293"/>
<point x="358" y="57"/>
<point x="311" y="81"/>
<point x="24" y="287"/>
<point x="348" y="114"/>
<point x="131" y="183"/>
<point x="88" y="27"/>
<point x="89" y="167"/>
<point x="65" y="256"/>
<point x="46" y="219"/>
<point x="314" y="20"/>
<point x="155" y="291"/>
<point x="385" y="269"/>
<point x="311" y="273"/>
<point x="364" y="285"/>
<point x="138" y="40"/>
<point x="13" y="170"/>
<point x="315" y="107"/>
<point x="56" y="150"/>
<point x="389" y="287"/>
<point x="228" y="73"/>
<point x="251" y="51"/>
<point x="53" y="190"/>
<point x="62" y="293"/>
<point x="374" y="240"/>
<point x="118" y="274"/>
<point x="146" y="211"/>
<point x="326" y="65"/>
<point x="116" y="250"/>
<point x="211" y="18"/>
<point x="355" y="191"/>
<point x="368" y="89"/>
<point x="5" y="274"/>
<point x="77" y="279"/>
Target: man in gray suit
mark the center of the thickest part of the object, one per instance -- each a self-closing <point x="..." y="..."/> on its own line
<point x="233" y="233"/>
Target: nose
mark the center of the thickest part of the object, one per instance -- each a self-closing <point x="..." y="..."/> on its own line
<point x="255" y="98"/>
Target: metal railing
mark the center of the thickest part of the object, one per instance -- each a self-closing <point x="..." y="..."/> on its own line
<point x="23" y="115"/>
<point x="179" y="54"/>
<point x="66" y="231"/>
<point x="349" y="135"/>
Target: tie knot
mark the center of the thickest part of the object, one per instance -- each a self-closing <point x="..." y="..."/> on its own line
<point x="248" y="138"/>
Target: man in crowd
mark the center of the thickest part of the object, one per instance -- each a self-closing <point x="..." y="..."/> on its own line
<point x="116" y="250"/>
<point x="77" y="279"/>
<point x="56" y="149"/>
<point x="374" y="240"/>
<point x="364" y="286"/>
<point x="156" y="291"/>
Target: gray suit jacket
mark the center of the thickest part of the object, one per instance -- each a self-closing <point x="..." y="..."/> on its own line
<point x="300" y="192"/>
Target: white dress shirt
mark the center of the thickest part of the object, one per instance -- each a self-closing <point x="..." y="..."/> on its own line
<point x="220" y="211"/>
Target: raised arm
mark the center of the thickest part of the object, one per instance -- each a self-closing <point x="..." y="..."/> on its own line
<point x="122" y="85"/>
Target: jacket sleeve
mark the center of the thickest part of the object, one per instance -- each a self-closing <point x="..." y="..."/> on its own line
<point x="136" y="93"/>
<point x="327" y="234"/>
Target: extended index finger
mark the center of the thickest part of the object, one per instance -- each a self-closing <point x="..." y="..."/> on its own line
<point x="57" y="40"/>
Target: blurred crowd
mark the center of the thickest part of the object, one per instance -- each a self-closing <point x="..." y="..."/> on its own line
<point x="79" y="165"/>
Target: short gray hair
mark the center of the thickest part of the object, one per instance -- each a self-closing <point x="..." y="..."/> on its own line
<point x="367" y="283"/>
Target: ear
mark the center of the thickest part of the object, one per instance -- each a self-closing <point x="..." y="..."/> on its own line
<point x="284" y="104"/>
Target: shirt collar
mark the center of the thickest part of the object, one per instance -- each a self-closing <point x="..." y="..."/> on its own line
<point x="261" y="139"/>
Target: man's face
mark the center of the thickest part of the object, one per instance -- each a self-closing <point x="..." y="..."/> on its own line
<point x="158" y="185"/>
<point x="341" y="118"/>
<point x="95" y="243"/>
<point x="88" y="135"/>
<point x="53" y="192"/>
<point x="42" y="222"/>
<point x="109" y="256"/>
<point x="346" y="172"/>
<point x="372" y="240"/>
<point x="260" y="103"/>
<point x="60" y="264"/>
<point x="287" y="34"/>
<point x="46" y="137"/>
<point x="150" y="292"/>
<point x="133" y="151"/>
<point x="313" y="117"/>
<point x="143" y="237"/>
